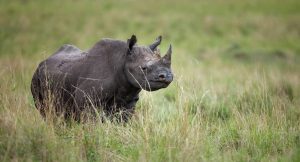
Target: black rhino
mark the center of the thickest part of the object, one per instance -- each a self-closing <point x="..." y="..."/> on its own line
<point x="109" y="76"/>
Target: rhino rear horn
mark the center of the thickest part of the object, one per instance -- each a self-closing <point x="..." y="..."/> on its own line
<point x="156" y="43"/>
<point x="131" y="42"/>
<point x="168" y="54"/>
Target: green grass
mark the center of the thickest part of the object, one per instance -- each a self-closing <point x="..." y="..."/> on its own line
<point x="235" y="96"/>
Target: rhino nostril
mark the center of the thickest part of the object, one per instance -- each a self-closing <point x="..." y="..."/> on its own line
<point x="162" y="76"/>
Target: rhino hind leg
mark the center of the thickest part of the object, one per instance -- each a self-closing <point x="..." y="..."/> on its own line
<point x="47" y="99"/>
<point x="37" y="94"/>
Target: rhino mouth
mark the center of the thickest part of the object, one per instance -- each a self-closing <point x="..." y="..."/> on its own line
<point x="155" y="85"/>
<point x="161" y="82"/>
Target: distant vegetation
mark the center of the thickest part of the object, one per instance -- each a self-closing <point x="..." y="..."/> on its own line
<point x="235" y="96"/>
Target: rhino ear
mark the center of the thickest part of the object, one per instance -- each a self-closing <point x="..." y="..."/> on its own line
<point x="131" y="42"/>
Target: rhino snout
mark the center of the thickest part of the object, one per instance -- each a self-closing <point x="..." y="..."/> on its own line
<point x="166" y="77"/>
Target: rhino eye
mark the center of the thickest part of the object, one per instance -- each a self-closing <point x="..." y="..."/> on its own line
<point x="144" y="68"/>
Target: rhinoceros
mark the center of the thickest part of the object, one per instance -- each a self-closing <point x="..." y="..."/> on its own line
<point x="110" y="76"/>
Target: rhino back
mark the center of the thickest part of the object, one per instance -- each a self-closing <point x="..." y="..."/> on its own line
<point x="57" y="70"/>
<point x="65" y="59"/>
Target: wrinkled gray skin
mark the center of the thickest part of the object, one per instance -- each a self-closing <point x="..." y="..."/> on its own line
<point x="110" y="75"/>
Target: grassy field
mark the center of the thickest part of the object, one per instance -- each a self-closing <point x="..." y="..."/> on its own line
<point x="235" y="97"/>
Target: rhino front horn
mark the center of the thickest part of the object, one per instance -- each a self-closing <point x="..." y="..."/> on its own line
<point x="156" y="43"/>
<point x="169" y="53"/>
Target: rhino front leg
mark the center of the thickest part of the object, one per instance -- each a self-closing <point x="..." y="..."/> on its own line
<point x="129" y="109"/>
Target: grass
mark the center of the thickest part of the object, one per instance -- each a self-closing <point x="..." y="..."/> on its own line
<point x="235" y="96"/>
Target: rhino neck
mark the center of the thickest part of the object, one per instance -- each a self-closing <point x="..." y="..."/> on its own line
<point x="124" y="86"/>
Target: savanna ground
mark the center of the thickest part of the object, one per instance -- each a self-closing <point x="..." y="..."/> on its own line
<point x="235" y="96"/>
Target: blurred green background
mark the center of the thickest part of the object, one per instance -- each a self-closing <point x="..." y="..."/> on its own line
<point x="235" y="96"/>
<point x="31" y="27"/>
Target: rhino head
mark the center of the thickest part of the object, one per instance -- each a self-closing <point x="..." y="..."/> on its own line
<point x="145" y="68"/>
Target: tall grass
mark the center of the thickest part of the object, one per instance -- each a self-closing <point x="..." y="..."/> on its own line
<point x="235" y="96"/>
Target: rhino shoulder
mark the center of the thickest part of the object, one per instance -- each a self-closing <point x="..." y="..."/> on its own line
<point x="108" y="42"/>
